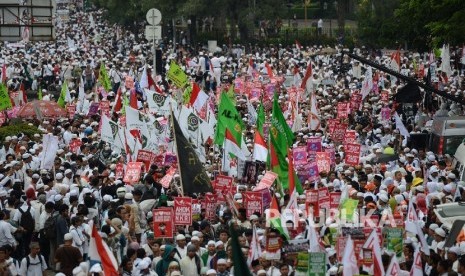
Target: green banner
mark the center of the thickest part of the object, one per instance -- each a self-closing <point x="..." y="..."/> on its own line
<point x="5" y="101"/>
<point x="394" y="239"/>
<point x="177" y="75"/>
<point x="317" y="264"/>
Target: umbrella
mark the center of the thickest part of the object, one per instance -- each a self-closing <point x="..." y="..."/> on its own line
<point x="41" y="109"/>
<point x="384" y="158"/>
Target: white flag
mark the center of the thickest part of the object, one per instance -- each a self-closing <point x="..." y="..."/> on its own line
<point x="50" y="147"/>
<point x="400" y="126"/>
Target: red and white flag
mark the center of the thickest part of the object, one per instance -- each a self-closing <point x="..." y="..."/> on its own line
<point x="231" y="146"/>
<point x="378" y="268"/>
<point x="292" y="204"/>
<point x="198" y="98"/>
<point x="314" y="116"/>
<point x="308" y="75"/>
<point x="417" y="268"/>
<point x="255" y="250"/>
<point x="99" y="252"/>
<point x="260" y="150"/>
<point x="348" y="259"/>
<point x="144" y="80"/>
<point x="269" y="71"/>
<point x="394" y="267"/>
<point x="395" y="61"/>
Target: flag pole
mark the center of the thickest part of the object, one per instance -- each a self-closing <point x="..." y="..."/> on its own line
<point x="177" y="150"/>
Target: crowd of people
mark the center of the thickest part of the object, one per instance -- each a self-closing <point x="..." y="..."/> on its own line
<point x="47" y="215"/>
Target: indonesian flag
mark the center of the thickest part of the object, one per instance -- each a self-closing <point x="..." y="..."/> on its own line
<point x="313" y="117"/>
<point x="231" y="146"/>
<point x="412" y="225"/>
<point x="198" y="97"/>
<point x="250" y="67"/>
<point x="348" y="259"/>
<point x="118" y="101"/>
<point x="308" y="75"/>
<point x="269" y="70"/>
<point x="99" y="252"/>
<point x="378" y="269"/>
<point x="133" y="99"/>
<point x="298" y="45"/>
<point x="260" y="150"/>
<point x="25" y="34"/>
<point x="395" y="61"/>
<point x="316" y="244"/>
<point x="292" y="204"/>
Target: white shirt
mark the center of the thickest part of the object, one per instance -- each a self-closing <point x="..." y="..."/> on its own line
<point x="78" y="238"/>
<point x="182" y="252"/>
<point x="188" y="266"/>
<point x="24" y="207"/>
<point x="36" y="266"/>
<point x="6" y="231"/>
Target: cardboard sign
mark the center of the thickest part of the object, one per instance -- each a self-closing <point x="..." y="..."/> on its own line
<point x="332" y="155"/>
<point x="313" y="173"/>
<point x="145" y="157"/>
<point x="355" y="101"/>
<point x="133" y="171"/>
<point x="119" y="171"/>
<point x="163" y="223"/>
<point x="182" y="211"/>
<point x="210" y="206"/>
<point x="323" y="198"/>
<point x="71" y="109"/>
<point x="93" y="109"/>
<point x="332" y="125"/>
<point x="352" y="154"/>
<point x="311" y="201"/>
<point x="266" y="198"/>
<point x="342" y="110"/>
<point x="314" y="144"/>
<point x="75" y="145"/>
<point x="273" y="248"/>
<point x="267" y="181"/>
<point x="253" y="202"/>
<point x="300" y="155"/>
<point x="394" y="240"/>
<point x="104" y="108"/>
<point x="165" y="181"/>
<point x="350" y="137"/>
<point x="223" y="183"/>
<point x="323" y="161"/>
<point x="339" y="132"/>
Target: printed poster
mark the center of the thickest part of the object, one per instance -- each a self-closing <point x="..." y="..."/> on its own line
<point x="163" y="223"/>
<point x="300" y="155"/>
<point x="253" y="202"/>
<point x="182" y="211"/>
<point x="352" y="156"/>
<point x="133" y="171"/>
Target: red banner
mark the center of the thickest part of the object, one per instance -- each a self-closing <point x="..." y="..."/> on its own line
<point x="182" y="211"/>
<point x="166" y="179"/>
<point x="223" y="183"/>
<point x="75" y="145"/>
<point x="334" y="199"/>
<point x="314" y="144"/>
<point x="145" y="157"/>
<point x="311" y="201"/>
<point x="253" y="202"/>
<point x="339" y="132"/>
<point x="71" y="109"/>
<point x="352" y="154"/>
<point x="323" y="161"/>
<point x="323" y="198"/>
<point x="342" y="110"/>
<point x="267" y="181"/>
<point x="210" y="206"/>
<point x="350" y="137"/>
<point x="163" y="223"/>
<point x="119" y="171"/>
<point x="332" y="125"/>
<point x="133" y="171"/>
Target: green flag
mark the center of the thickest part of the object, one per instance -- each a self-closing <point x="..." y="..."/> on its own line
<point x="260" y="118"/>
<point x="5" y="101"/>
<point x="125" y="103"/>
<point x="177" y="75"/>
<point x="39" y="95"/>
<point x="61" y="100"/>
<point x="231" y="94"/>
<point x="103" y="78"/>
<point x="228" y="117"/>
<point x="281" y="138"/>
<point x="186" y="96"/>
<point x="240" y="264"/>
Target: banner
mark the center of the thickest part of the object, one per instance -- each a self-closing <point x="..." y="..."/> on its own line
<point x="316" y="264"/>
<point x="75" y="145"/>
<point x="71" y="109"/>
<point x="223" y="183"/>
<point x="177" y="75"/>
<point x="267" y="181"/>
<point x="182" y="211"/>
<point x="50" y="146"/>
<point x="145" y="157"/>
<point x="253" y="202"/>
<point x="350" y="137"/>
<point x="133" y="171"/>
<point x="323" y="198"/>
<point x="339" y="132"/>
<point x="300" y="155"/>
<point x="342" y="110"/>
<point x="119" y="171"/>
<point x="210" y="206"/>
<point x="163" y="223"/>
<point x="352" y="156"/>
<point x="323" y="161"/>
<point x="314" y="144"/>
<point x="394" y="240"/>
<point x="165" y="181"/>
<point x="5" y="101"/>
<point x="311" y="201"/>
<point x="334" y="200"/>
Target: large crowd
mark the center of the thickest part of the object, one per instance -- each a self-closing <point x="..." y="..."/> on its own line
<point x="47" y="216"/>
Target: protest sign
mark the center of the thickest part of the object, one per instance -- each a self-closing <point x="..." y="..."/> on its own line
<point x="267" y="181"/>
<point x="163" y="223"/>
<point x="323" y="161"/>
<point x="350" y="137"/>
<point x="71" y="109"/>
<point x="302" y="263"/>
<point x="334" y="199"/>
<point x="210" y="206"/>
<point x="223" y="183"/>
<point x="317" y="264"/>
<point x="74" y="145"/>
<point x="145" y="157"/>
<point x="332" y="125"/>
<point x="165" y="181"/>
<point x="352" y="154"/>
<point x="253" y="202"/>
<point x="323" y="198"/>
<point x="314" y="144"/>
<point x="300" y="155"/>
<point x="133" y="171"/>
<point x="341" y="244"/>
<point x="119" y="171"/>
<point x="311" y="200"/>
<point x="273" y="247"/>
<point x="342" y="110"/>
<point x="339" y="132"/>
<point x="182" y="211"/>
<point x="394" y="240"/>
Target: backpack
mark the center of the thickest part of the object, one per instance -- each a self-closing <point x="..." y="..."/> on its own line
<point x="27" y="221"/>
<point x="49" y="230"/>
<point x="28" y="262"/>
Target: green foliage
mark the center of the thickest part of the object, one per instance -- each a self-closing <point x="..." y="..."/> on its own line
<point x="15" y="129"/>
